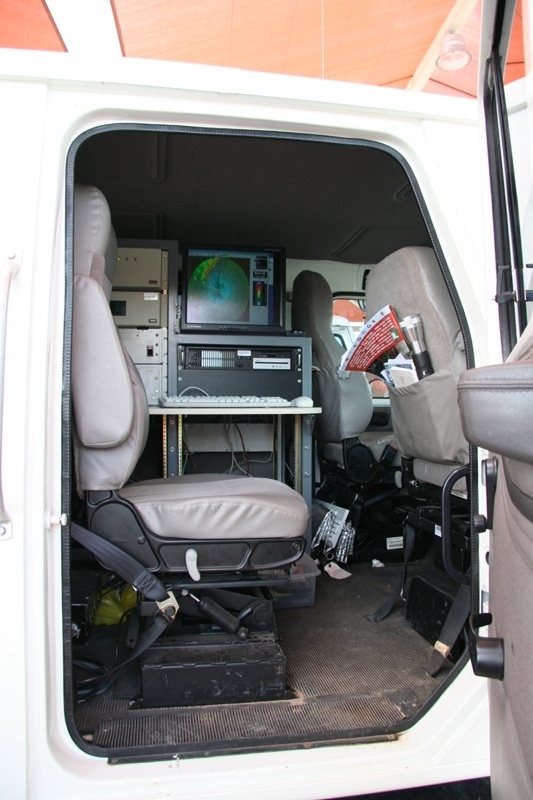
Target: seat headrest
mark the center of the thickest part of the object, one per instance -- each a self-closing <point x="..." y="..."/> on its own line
<point x="411" y="281"/>
<point x="312" y="304"/>
<point x="346" y="404"/>
<point x="312" y="312"/>
<point x="95" y="243"/>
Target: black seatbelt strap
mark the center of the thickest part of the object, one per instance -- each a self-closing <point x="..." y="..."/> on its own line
<point x="141" y="579"/>
<point x="105" y="678"/>
<point x="451" y="630"/>
<point x="409" y="536"/>
<point x="123" y="564"/>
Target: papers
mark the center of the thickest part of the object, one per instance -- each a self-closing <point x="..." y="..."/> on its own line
<point x="381" y="338"/>
<point x="382" y="349"/>
<point x="401" y="371"/>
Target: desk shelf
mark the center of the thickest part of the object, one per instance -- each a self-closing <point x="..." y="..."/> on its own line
<point x="234" y="410"/>
<point x="303" y="419"/>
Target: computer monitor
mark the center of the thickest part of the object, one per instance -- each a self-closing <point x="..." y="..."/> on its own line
<point x="230" y="289"/>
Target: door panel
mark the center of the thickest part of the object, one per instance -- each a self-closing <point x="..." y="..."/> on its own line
<point x="497" y="411"/>
<point x="511" y="596"/>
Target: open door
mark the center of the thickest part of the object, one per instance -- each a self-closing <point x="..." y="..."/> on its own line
<point x="497" y="412"/>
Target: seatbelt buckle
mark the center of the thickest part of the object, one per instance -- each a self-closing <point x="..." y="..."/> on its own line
<point x="168" y="607"/>
<point x="388" y="455"/>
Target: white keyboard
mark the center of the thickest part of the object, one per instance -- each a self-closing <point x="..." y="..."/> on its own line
<point x="232" y="400"/>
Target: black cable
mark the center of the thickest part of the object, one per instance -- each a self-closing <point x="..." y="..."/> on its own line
<point x="109" y="676"/>
<point x="244" y="451"/>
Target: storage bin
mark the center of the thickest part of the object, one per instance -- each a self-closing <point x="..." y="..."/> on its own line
<point x="300" y="592"/>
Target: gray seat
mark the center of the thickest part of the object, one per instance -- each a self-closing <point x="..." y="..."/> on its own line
<point x="425" y="415"/>
<point x="223" y="522"/>
<point x="345" y="398"/>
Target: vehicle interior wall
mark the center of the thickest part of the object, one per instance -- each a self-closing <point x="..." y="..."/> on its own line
<point x="355" y="668"/>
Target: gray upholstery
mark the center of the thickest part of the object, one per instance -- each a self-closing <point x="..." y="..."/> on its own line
<point x="410" y="280"/>
<point x="346" y="401"/>
<point x="497" y="406"/>
<point x="109" y="401"/>
<point x="217" y="507"/>
<point x="111" y="418"/>
<point x="425" y="415"/>
<point x="95" y="243"/>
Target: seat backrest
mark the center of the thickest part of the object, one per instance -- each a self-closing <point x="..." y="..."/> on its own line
<point x="346" y="401"/>
<point x="425" y="415"/>
<point x="108" y="397"/>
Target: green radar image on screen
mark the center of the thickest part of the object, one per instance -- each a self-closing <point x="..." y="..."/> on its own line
<point x="219" y="291"/>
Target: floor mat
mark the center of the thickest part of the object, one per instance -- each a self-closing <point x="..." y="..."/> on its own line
<point x="351" y="677"/>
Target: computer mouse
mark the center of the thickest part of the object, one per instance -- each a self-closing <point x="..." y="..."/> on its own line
<point x="303" y="402"/>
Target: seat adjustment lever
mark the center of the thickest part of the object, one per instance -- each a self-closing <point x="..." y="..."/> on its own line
<point x="217" y="614"/>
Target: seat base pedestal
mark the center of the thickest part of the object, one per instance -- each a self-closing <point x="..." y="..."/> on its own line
<point x="215" y="669"/>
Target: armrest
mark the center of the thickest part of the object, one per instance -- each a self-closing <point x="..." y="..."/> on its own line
<point x="496" y="406"/>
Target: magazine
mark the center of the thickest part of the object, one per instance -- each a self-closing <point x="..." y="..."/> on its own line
<point x="380" y="341"/>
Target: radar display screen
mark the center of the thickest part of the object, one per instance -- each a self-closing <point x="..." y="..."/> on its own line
<point x="219" y="290"/>
<point x="233" y="289"/>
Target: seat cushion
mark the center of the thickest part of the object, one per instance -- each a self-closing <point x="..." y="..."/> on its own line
<point x="219" y="507"/>
<point x="436" y="474"/>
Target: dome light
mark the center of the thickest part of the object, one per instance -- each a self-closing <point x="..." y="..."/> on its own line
<point x="453" y="53"/>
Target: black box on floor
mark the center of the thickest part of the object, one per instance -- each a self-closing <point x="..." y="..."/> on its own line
<point x="459" y="545"/>
<point x="427" y="608"/>
<point x="387" y="546"/>
<point x="196" y="674"/>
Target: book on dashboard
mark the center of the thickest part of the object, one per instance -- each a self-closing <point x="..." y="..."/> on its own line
<point x="379" y="342"/>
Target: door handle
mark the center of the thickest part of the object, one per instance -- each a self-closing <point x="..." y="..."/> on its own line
<point x="486" y="652"/>
<point x="446" y="524"/>
<point x="8" y="269"/>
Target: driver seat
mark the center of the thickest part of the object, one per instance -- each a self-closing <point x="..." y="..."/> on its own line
<point x="189" y="524"/>
<point x="345" y="444"/>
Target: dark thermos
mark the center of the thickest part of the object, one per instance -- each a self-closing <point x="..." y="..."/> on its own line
<point x="413" y="331"/>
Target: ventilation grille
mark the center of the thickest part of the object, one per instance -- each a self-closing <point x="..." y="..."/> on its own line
<point x="211" y="359"/>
